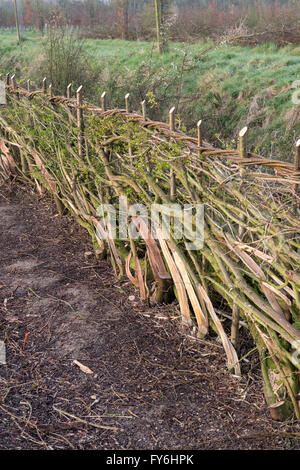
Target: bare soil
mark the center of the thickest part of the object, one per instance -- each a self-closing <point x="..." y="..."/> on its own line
<point x="153" y="385"/>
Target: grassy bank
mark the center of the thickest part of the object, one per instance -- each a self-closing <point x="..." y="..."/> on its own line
<point x="228" y="87"/>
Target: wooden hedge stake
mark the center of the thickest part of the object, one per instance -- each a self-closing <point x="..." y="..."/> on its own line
<point x="172" y="119"/>
<point x="127" y="102"/>
<point x="14" y="85"/>
<point x="103" y="101"/>
<point x="242" y="142"/>
<point x="7" y="79"/>
<point x="79" y="120"/>
<point x="69" y="96"/>
<point x="50" y="90"/>
<point x="172" y="175"/>
<point x="69" y="91"/>
<point x="28" y="85"/>
<point x="235" y="310"/>
<point x="297" y="162"/>
<point x="297" y="169"/>
<point x="199" y="134"/>
<point x="44" y="88"/>
<point x="199" y="143"/>
<point x="242" y="148"/>
<point x="14" y="82"/>
<point x="127" y="111"/>
<point x="143" y="103"/>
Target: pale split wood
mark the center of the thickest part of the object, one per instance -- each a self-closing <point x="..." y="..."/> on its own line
<point x="139" y="274"/>
<point x="107" y="236"/>
<point x="280" y="282"/>
<point x="82" y="367"/>
<point x="255" y="251"/>
<point x="44" y="172"/>
<point x="156" y="262"/>
<point x="137" y="281"/>
<point x="199" y="314"/>
<point x="269" y="259"/>
<point x="179" y="284"/>
<point x="279" y="293"/>
<point x="39" y="188"/>
<point x="99" y="240"/>
<point x="160" y="273"/>
<point x="232" y="357"/>
<point x="112" y="244"/>
<point x="128" y="272"/>
<point x="256" y="269"/>
<point x="6" y="158"/>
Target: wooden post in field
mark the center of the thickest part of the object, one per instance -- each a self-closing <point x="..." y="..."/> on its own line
<point x="199" y="143"/>
<point x="172" y="119"/>
<point x="103" y="101"/>
<point x="69" y="91"/>
<point x="199" y="135"/>
<point x="242" y="143"/>
<point x="69" y="96"/>
<point x="297" y="169"/>
<point x="28" y="85"/>
<point x="14" y="85"/>
<point x="143" y="103"/>
<point x="297" y="162"/>
<point x="50" y="90"/>
<point x="79" y="121"/>
<point x="242" y="147"/>
<point x="14" y="82"/>
<point x="172" y="175"/>
<point x="7" y="79"/>
<point x="44" y="87"/>
<point x="127" y="111"/>
<point x="127" y="102"/>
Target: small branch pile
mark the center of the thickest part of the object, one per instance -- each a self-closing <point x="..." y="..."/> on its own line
<point x="87" y="156"/>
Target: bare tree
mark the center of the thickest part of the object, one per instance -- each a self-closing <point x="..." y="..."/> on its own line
<point x="158" y="24"/>
<point x="17" y="21"/>
<point x="161" y="12"/>
<point x="122" y="8"/>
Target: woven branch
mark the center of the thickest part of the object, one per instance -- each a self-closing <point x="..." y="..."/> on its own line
<point x="251" y="252"/>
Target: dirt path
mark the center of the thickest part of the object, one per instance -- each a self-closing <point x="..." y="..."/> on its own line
<point x="154" y="386"/>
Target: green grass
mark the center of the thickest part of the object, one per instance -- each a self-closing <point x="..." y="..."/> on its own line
<point x="228" y="87"/>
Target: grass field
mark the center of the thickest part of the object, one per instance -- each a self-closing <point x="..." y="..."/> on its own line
<point x="228" y="87"/>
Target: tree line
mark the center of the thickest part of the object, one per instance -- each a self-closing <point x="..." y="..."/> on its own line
<point x="138" y="19"/>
